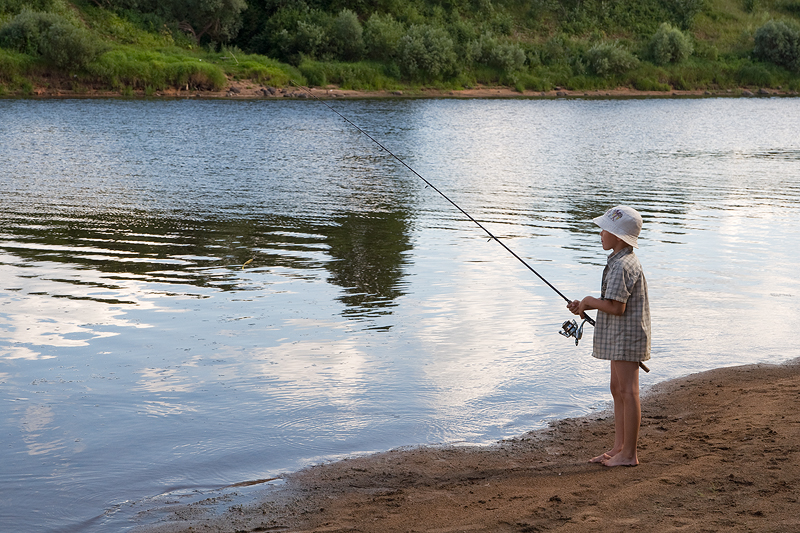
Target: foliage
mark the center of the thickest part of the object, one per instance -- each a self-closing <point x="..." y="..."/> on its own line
<point x="14" y="7"/>
<point x="753" y="75"/>
<point x="427" y="51"/>
<point x="216" y="20"/>
<point x="149" y="45"/>
<point x="364" y="75"/>
<point x="505" y="56"/>
<point x="669" y="45"/>
<point x="791" y="6"/>
<point x="128" y="66"/>
<point x="26" y="31"/>
<point x="347" y="41"/>
<point x="266" y="74"/>
<point x="382" y="34"/>
<point x="13" y="64"/>
<point x="50" y="36"/>
<point x="637" y="17"/>
<point x="68" y="46"/>
<point x="649" y="84"/>
<point x="686" y="11"/>
<point x="294" y="33"/>
<point x="608" y="59"/>
<point x="315" y="34"/>
<point x="564" y="50"/>
<point x="779" y="43"/>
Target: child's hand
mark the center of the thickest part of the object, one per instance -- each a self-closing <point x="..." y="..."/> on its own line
<point x="575" y="307"/>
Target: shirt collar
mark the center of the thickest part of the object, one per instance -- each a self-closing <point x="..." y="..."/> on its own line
<point x="619" y="255"/>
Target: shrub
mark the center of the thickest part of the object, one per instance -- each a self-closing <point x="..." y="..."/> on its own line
<point x="669" y="45"/>
<point x="791" y="6"/>
<point x="648" y="84"/>
<point x="262" y="73"/>
<point x="347" y="36"/>
<point x="754" y="75"/>
<point x="15" y="7"/>
<point x="196" y="75"/>
<point x="686" y="10"/>
<point x="488" y="51"/>
<point x="778" y="43"/>
<point x="750" y="6"/>
<point x="382" y="34"/>
<point x="291" y="33"/>
<point x="583" y="83"/>
<point x="462" y="31"/>
<point x="129" y="67"/>
<point x="50" y="36"/>
<point x="557" y="51"/>
<point x="309" y="39"/>
<point x="24" y="32"/>
<point x="68" y="46"/>
<point x="607" y="59"/>
<point x="13" y="64"/>
<point x="533" y="83"/>
<point x="426" y="51"/>
<point x="361" y="75"/>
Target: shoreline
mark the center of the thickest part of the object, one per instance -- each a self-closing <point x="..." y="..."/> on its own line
<point x="719" y="451"/>
<point x="249" y="90"/>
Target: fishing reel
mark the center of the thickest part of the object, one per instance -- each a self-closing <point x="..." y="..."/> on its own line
<point x="570" y="328"/>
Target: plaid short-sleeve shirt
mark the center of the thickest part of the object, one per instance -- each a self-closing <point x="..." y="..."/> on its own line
<point x="625" y="337"/>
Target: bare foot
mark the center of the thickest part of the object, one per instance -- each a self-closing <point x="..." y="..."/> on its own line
<point x="602" y="458"/>
<point x="619" y="460"/>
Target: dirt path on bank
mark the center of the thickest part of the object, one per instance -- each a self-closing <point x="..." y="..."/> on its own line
<point x="720" y="451"/>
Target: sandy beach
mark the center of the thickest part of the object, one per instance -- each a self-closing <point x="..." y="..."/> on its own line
<point x="248" y="90"/>
<point x="719" y="451"/>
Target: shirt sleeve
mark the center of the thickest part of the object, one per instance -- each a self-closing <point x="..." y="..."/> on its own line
<point x="619" y="283"/>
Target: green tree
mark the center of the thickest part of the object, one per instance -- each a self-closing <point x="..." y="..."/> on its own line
<point x="488" y="50"/>
<point x="50" y="36"/>
<point x="217" y="20"/>
<point x="669" y="45"/>
<point x="382" y="34"/>
<point x="779" y="43"/>
<point x="607" y="59"/>
<point x="427" y="51"/>
<point x="347" y="41"/>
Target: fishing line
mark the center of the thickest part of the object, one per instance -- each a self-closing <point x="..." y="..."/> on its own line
<point x="569" y="328"/>
<point x="443" y="195"/>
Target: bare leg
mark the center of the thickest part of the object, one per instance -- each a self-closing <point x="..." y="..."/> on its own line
<point x="627" y="413"/>
<point x="618" y="421"/>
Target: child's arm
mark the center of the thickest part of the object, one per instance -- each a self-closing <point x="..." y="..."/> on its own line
<point x="611" y="307"/>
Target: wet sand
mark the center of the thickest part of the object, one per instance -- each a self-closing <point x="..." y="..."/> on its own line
<point x="719" y="451"/>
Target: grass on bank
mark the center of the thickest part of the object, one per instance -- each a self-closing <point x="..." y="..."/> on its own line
<point x="113" y="53"/>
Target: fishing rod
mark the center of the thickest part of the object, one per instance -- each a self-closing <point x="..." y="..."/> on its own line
<point x="570" y="328"/>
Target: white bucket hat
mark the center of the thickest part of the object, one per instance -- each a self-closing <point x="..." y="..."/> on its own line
<point x="623" y="221"/>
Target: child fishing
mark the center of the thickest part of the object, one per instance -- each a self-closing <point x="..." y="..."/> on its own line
<point x="622" y="332"/>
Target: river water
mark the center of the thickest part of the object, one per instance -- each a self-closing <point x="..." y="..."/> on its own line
<point x="200" y="293"/>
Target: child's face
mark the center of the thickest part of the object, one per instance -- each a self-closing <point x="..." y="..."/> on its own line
<point x="609" y="240"/>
